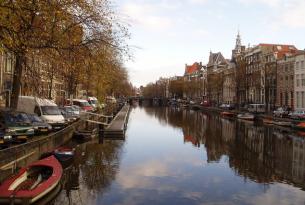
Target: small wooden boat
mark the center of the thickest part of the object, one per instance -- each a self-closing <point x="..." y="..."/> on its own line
<point x="32" y="182"/>
<point x="246" y="116"/>
<point x="64" y="154"/>
<point x="227" y="114"/>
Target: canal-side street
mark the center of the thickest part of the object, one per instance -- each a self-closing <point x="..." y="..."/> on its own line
<point x="178" y="156"/>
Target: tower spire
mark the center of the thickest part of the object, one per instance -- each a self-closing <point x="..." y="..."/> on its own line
<point x="238" y="40"/>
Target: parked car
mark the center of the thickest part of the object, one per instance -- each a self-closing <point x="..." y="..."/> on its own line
<point x="297" y="115"/>
<point x="68" y="114"/>
<point x="46" y="109"/>
<point x="93" y="102"/>
<point x="205" y="103"/>
<point x="82" y="104"/>
<point x="281" y="112"/>
<point x="227" y="106"/>
<point x="40" y="127"/>
<point x="5" y="139"/>
<point x="74" y="109"/>
<point x="191" y="102"/>
<point x="16" y="124"/>
<point x="256" y="108"/>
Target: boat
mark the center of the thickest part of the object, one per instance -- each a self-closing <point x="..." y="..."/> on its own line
<point x="246" y="116"/>
<point x="282" y="123"/>
<point x="299" y="126"/>
<point x="227" y="114"/>
<point x="32" y="183"/>
<point x="268" y="121"/>
<point x="63" y="153"/>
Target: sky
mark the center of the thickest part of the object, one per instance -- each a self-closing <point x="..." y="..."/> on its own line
<point x="167" y="34"/>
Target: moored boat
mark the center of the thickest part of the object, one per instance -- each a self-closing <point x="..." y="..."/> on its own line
<point x="268" y="121"/>
<point x="246" y="116"/>
<point x="64" y="155"/>
<point x="299" y="126"/>
<point x="227" y="114"/>
<point x="282" y="123"/>
<point x="32" y="183"/>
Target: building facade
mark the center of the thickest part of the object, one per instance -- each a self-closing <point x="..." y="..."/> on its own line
<point x="215" y="77"/>
<point x="299" y="82"/>
<point x="285" y="82"/>
<point x="194" y="84"/>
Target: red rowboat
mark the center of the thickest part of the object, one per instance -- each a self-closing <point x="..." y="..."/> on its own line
<point x="32" y="182"/>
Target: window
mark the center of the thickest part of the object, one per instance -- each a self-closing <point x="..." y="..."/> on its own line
<point x="8" y="63"/>
<point x="298" y="100"/>
<point x="297" y="65"/>
<point x="303" y="80"/>
<point x="298" y="80"/>
<point x="302" y="64"/>
<point x="37" y="111"/>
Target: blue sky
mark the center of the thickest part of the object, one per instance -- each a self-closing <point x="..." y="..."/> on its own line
<point x="167" y="34"/>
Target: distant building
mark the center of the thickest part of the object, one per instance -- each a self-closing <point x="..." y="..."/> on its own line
<point x="260" y="67"/>
<point x="194" y="82"/>
<point x="299" y="82"/>
<point x="215" y="77"/>
<point x="285" y="82"/>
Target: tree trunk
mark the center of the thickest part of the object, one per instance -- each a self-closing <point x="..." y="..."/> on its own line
<point x="20" y="59"/>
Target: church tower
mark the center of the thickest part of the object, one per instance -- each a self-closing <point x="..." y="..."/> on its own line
<point x="239" y="48"/>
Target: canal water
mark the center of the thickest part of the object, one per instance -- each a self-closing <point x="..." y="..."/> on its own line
<point x="175" y="156"/>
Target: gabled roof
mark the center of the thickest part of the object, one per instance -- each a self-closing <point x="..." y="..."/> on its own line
<point x="192" y="68"/>
<point x="216" y="58"/>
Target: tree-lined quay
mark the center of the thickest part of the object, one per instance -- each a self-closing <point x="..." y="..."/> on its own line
<point x="272" y="75"/>
<point x="61" y="49"/>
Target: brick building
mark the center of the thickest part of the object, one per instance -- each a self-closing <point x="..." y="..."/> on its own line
<point x="194" y="83"/>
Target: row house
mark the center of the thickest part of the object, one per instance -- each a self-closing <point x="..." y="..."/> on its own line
<point x="215" y="77"/>
<point x="7" y="62"/>
<point x="261" y="66"/>
<point x="229" y="85"/>
<point x="299" y="82"/>
<point x="285" y="82"/>
<point x="271" y="57"/>
<point x="194" y="81"/>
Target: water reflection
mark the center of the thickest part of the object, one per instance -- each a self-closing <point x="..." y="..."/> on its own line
<point x="264" y="154"/>
<point x="176" y="156"/>
<point x="94" y="168"/>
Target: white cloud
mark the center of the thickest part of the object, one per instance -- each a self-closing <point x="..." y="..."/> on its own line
<point x="294" y="15"/>
<point x="147" y="16"/>
<point x="272" y="3"/>
<point x="287" y="13"/>
<point x="198" y="1"/>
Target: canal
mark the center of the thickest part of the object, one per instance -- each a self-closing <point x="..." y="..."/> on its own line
<point x="175" y="156"/>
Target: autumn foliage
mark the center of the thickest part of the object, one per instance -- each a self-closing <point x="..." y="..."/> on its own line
<point x="81" y="41"/>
